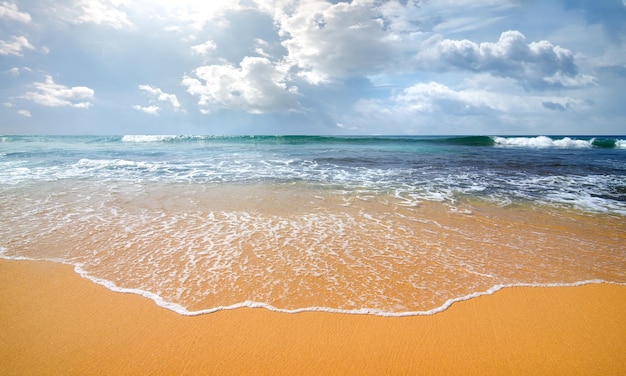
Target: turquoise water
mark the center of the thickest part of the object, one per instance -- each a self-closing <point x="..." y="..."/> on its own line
<point x="587" y="173"/>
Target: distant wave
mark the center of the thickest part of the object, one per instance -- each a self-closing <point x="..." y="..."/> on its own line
<point x="296" y="139"/>
<point x="537" y="142"/>
<point x="564" y="142"/>
<point x="148" y="138"/>
<point x="466" y="140"/>
<point x="532" y="141"/>
<point x="609" y="142"/>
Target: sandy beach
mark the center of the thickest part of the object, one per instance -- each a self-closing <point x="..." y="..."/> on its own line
<point x="55" y="322"/>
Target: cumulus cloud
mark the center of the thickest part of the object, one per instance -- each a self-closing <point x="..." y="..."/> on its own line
<point x="51" y="94"/>
<point x="24" y="113"/>
<point x="15" y="47"/>
<point x="157" y="95"/>
<point x="401" y="61"/>
<point x="256" y="86"/>
<point x="326" y="40"/>
<point x="101" y="12"/>
<point x="11" y="12"/>
<point x="536" y="64"/>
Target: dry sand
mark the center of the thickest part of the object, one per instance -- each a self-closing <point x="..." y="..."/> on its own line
<point x="52" y="321"/>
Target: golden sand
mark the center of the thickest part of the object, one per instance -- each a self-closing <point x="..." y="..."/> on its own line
<point x="54" y="322"/>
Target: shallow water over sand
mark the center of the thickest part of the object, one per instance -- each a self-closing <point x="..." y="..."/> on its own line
<point x="200" y="247"/>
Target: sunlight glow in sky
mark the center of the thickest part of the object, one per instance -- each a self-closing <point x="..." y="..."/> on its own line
<point x="492" y="67"/>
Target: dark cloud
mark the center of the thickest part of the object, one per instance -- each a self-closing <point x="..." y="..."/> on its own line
<point x="554" y="106"/>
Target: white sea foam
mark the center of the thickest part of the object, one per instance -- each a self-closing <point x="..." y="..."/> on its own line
<point x="181" y="310"/>
<point x="581" y="192"/>
<point x="123" y="244"/>
<point x="148" y="138"/>
<point x="541" y="142"/>
<point x="104" y="163"/>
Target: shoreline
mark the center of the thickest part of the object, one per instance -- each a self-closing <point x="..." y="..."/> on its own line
<point x="373" y="258"/>
<point x="180" y="310"/>
<point x="55" y="322"/>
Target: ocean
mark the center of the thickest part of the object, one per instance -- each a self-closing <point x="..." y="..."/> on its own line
<point x="380" y="225"/>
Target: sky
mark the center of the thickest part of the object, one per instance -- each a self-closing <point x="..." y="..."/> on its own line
<point x="360" y="67"/>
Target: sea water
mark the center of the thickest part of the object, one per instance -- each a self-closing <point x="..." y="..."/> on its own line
<point x="379" y="225"/>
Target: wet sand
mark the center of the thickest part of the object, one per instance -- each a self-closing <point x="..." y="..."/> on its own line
<point x="52" y="321"/>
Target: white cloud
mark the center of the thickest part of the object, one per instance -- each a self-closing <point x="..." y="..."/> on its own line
<point x="257" y="86"/>
<point x="152" y="110"/>
<point x="101" y="12"/>
<point x="15" y="47"/>
<point x="344" y="126"/>
<point x="535" y="65"/>
<point x="336" y="40"/>
<point x="435" y="107"/>
<point x="51" y="94"/>
<point x="406" y="62"/>
<point x="435" y="96"/>
<point x="465" y="24"/>
<point x="24" y="113"/>
<point x="10" y="11"/>
<point x="193" y="14"/>
<point x="204" y="49"/>
<point x="260" y="47"/>
<point x="158" y="95"/>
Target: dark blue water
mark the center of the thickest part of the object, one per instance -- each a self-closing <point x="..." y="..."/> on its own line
<point x="587" y="173"/>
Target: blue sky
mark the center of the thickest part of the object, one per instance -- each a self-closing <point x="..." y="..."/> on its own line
<point x="493" y="67"/>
